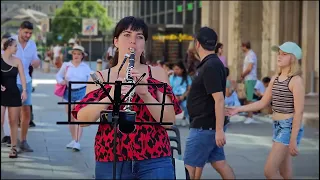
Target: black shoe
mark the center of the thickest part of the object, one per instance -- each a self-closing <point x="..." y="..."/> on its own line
<point x="9" y="142"/>
<point x="33" y="89"/>
<point x="32" y="124"/>
<point x="5" y="140"/>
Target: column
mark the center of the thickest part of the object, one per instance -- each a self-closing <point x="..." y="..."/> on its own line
<point x="205" y="13"/>
<point x="266" y="36"/>
<point x="234" y="40"/>
<point x="316" y="59"/>
<point x="223" y="26"/>
<point x="308" y="41"/>
<point x="274" y="40"/>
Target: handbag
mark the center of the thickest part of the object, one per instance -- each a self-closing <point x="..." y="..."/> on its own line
<point x="59" y="88"/>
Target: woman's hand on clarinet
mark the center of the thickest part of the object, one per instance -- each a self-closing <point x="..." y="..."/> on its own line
<point x="140" y="90"/>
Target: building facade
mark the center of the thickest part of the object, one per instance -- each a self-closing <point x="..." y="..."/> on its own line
<point x="266" y="23"/>
<point x="171" y="26"/>
<point x="47" y="7"/>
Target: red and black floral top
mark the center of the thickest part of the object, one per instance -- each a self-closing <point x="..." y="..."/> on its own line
<point x="146" y="142"/>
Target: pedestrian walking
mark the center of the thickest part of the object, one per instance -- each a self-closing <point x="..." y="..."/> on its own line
<point x="11" y="97"/>
<point x="74" y="70"/>
<point x="206" y="110"/>
<point x="286" y="92"/>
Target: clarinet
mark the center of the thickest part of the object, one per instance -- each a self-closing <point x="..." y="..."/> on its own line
<point x="129" y="79"/>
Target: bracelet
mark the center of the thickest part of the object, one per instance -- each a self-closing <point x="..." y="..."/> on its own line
<point x="24" y="90"/>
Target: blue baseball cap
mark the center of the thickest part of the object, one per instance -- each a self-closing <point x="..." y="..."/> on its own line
<point x="289" y="47"/>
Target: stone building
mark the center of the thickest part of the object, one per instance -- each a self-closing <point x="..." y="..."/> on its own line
<point x="266" y="23"/>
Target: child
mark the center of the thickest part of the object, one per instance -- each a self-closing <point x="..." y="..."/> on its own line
<point x="286" y="91"/>
<point x="260" y="87"/>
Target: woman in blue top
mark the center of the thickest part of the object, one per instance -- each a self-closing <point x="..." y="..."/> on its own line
<point x="180" y="82"/>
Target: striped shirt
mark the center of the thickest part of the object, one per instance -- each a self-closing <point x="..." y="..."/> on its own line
<point x="282" y="97"/>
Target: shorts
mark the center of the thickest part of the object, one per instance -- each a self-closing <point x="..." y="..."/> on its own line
<point x="201" y="147"/>
<point x="158" y="168"/>
<point x="28" y="101"/>
<point x="282" y="131"/>
<point x="76" y="94"/>
<point x="249" y="87"/>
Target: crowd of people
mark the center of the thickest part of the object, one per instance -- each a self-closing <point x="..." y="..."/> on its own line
<point x="199" y="86"/>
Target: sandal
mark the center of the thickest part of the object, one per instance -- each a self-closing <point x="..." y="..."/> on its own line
<point x="13" y="152"/>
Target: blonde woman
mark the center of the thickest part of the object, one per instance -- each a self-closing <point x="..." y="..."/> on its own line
<point x="286" y="91"/>
<point x="75" y="70"/>
<point x="11" y="98"/>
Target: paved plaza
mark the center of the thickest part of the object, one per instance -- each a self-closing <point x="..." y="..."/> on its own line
<point x="246" y="149"/>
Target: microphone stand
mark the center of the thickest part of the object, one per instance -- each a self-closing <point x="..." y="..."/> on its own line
<point x="116" y="102"/>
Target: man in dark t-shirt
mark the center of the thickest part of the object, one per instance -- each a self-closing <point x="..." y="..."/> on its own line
<point x="206" y="109"/>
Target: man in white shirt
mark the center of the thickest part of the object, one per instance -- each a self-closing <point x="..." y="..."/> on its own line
<point x="249" y="75"/>
<point x="27" y="53"/>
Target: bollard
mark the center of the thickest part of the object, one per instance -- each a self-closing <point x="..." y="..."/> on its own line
<point x="99" y="65"/>
<point x="46" y="65"/>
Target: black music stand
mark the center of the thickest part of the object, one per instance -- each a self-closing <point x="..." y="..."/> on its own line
<point x="116" y="102"/>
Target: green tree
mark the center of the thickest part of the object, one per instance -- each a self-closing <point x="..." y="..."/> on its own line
<point x="67" y="21"/>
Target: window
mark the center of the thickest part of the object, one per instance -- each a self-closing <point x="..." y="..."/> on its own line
<point x="154" y="7"/>
<point x="179" y="18"/>
<point x="170" y="18"/>
<point x="161" y="4"/>
<point x="189" y="17"/>
<point x="142" y="8"/>
<point x="154" y="19"/>
<point x="148" y="8"/>
<point x="169" y="5"/>
<point x="161" y="19"/>
<point x="148" y="20"/>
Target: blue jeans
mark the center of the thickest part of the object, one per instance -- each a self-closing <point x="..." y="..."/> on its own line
<point x="28" y="101"/>
<point x="201" y="147"/>
<point x="158" y="168"/>
<point x="183" y="105"/>
<point x="282" y="131"/>
<point x="76" y="94"/>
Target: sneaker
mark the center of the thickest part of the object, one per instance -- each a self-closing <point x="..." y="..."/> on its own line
<point x="70" y="145"/>
<point x="9" y="142"/>
<point x="5" y="139"/>
<point x="32" y="124"/>
<point x="184" y="123"/>
<point x="76" y="146"/>
<point x="178" y="122"/>
<point x="24" y="146"/>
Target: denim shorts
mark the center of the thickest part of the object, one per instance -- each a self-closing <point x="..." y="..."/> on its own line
<point x="76" y="94"/>
<point x="158" y="168"/>
<point x="201" y="147"/>
<point x="282" y="131"/>
<point x="28" y="101"/>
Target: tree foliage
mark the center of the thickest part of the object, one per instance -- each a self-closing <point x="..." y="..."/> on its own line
<point x="68" y="19"/>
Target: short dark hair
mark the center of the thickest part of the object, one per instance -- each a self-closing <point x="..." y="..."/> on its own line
<point x="218" y="46"/>
<point x="266" y="80"/>
<point x="246" y="44"/>
<point x="135" y="24"/>
<point x="26" y="25"/>
<point x="207" y="37"/>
